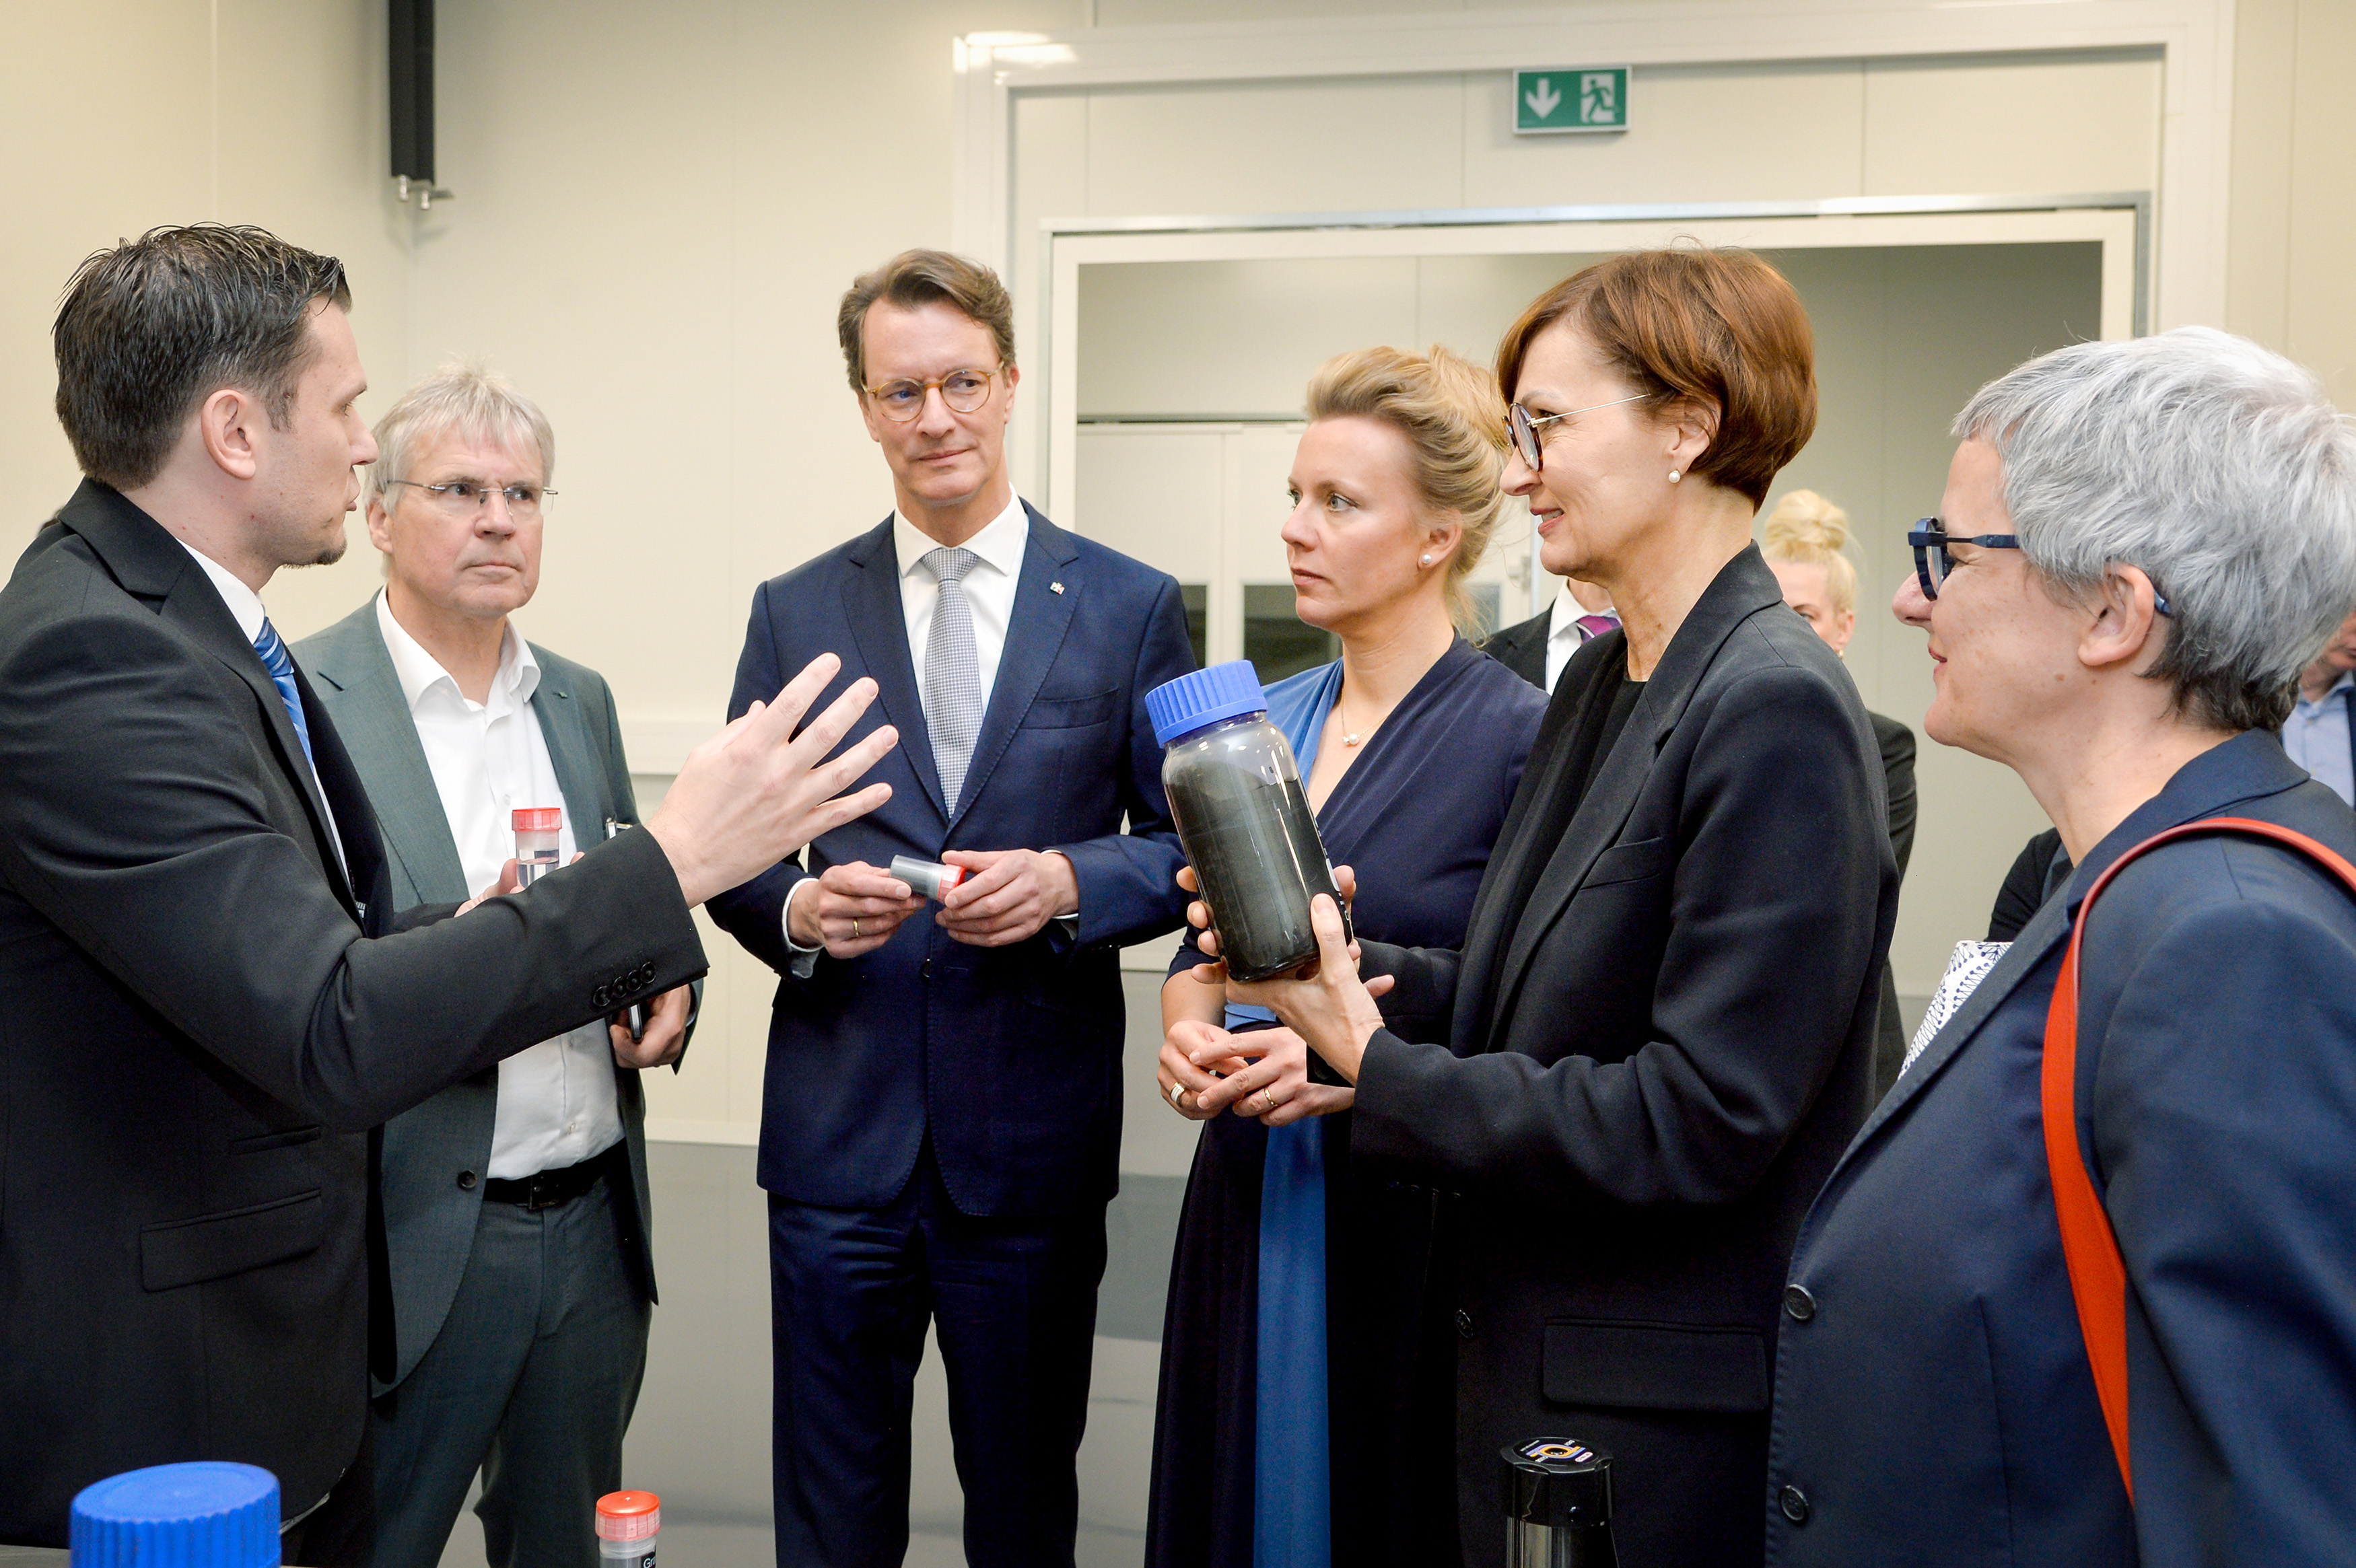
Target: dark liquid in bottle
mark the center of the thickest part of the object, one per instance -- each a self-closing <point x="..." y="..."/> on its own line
<point x="1254" y="846"/>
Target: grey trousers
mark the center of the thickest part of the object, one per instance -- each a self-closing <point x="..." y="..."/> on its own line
<point x="532" y="1380"/>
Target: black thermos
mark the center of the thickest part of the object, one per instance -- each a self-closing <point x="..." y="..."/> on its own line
<point x="1558" y="1506"/>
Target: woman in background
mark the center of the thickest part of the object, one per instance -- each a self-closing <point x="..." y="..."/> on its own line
<point x="1805" y="542"/>
<point x="1306" y="1366"/>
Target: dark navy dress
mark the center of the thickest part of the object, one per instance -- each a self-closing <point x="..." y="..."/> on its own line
<point x="1349" y="1459"/>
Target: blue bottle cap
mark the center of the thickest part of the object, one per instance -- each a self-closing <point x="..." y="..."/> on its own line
<point x="1181" y="706"/>
<point x="204" y="1515"/>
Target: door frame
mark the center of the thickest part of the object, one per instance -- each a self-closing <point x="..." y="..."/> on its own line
<point x="2120" y="221"/>
<point x="2185" y="268"/>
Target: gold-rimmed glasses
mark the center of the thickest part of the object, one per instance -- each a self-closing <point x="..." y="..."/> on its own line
<point x="963" y="390"/>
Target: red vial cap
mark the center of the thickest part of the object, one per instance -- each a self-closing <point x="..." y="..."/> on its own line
<point x="628" y="1516"/>
<point x="549" y="819"/>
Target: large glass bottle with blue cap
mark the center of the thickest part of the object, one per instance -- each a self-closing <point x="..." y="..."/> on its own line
<point x="1242" y="820"/>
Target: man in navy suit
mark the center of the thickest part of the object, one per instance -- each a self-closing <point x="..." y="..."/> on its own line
<point x="941" y="1124"/>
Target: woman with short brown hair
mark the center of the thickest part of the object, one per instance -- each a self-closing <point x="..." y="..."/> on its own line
<point x="1655" y="1041"/>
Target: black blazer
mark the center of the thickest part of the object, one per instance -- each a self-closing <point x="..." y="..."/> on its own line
<point x="1897" y="743"/>
<point x="1522" y="647"/>
<point x="204" y="1016"/>
<point x="1677" y="1052"/>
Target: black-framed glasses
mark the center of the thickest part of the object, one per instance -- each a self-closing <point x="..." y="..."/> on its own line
<point x="1525" y="426"/>
<point x="1934" y="560"/>
<point x="963" y="390"/>
<point x="459" y="495"/>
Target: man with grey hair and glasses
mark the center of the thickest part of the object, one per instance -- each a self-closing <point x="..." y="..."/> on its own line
<point x="516" y="1215"/>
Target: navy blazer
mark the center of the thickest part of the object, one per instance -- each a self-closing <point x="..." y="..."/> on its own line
<point x="1007" y="1057"/>
<point x="1932" y="1398"/>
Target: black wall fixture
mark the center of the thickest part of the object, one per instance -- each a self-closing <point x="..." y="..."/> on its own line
<point x="411" y="56"/>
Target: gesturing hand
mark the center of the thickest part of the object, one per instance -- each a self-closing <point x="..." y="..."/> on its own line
<point x="853" y="909"/>
<point x="757" y="792"/>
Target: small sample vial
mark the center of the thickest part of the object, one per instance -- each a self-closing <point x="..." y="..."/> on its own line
<point x="626" y="1523"/>
<point x="536" y="830"/>
<point x="928" y="878"/>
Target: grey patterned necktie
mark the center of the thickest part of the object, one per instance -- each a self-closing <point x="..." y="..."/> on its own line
<point x="952" y="672"/>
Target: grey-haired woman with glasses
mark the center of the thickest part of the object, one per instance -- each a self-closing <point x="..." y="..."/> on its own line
<point x="1654" y="1039"/>
<point x="2084" y="1292"/>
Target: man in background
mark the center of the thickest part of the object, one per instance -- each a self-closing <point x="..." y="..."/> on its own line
<point x="941" y="1129"/>
<point x="208" y="1003"/>
<point x="1538" y="649"/>
<point x="2318" y="734"/>
<point x="516" y="1206"/>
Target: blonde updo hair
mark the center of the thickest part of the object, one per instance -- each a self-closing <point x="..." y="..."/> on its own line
<point x="1805" y="529"/>
<point x="1454" y="421"/>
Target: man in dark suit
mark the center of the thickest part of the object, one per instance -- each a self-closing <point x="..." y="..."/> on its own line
<point x="1538" y="649"/>
<point x="942" y="1122"/>
<point x="208" y="1003"/>
<point x="520" y="1301"/>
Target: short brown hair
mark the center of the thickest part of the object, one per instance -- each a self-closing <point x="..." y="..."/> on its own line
<point x="1714" y="329"/>
<point x="1454" y="423"/>
<point x="913" y="279"/>
<point x="158" y="323"/>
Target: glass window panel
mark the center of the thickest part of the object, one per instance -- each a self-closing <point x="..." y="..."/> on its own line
<point x="1197" y="598"/>
<point x="1276" y="641"/>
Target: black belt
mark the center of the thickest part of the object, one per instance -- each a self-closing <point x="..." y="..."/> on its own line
<point x="546" y="1188"/>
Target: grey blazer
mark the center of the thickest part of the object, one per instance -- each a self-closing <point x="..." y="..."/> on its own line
<point x="429" y="1212"/>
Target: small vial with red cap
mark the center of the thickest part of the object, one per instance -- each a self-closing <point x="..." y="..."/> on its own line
<point x="626" y="1523"/>
<point x="537" y="828"/>
<point x="928" y="878"/>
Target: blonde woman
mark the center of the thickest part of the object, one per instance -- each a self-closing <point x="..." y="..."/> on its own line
<point x="1806" y="541"/>
<point x="1305" y="1409"/>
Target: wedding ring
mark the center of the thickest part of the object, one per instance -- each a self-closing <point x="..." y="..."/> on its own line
<point x="854" y="928"/>
<point x="1268" y="1095"/>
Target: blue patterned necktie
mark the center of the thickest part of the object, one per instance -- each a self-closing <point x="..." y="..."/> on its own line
<point x="280" y="666"/>
<point x="952" y="672"/>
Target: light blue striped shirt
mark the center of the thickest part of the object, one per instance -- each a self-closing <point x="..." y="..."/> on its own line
<point x="2316" y="736"/>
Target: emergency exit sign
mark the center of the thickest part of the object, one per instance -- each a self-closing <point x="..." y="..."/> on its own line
<point x="1570" y="98"/>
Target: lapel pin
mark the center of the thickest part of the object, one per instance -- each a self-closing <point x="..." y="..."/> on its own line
<point x="1055" y="588"/>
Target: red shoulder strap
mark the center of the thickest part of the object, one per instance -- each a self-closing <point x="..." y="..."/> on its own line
<point x="2098" y="1278"/>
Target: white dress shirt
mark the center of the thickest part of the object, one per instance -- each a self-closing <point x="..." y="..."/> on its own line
<point x="2316" y="736"/>
<point x="1565" y="635"/>
<point x="990" y="588"/>
<point x="245" y="609"/>
<point x="557" y="1104"/>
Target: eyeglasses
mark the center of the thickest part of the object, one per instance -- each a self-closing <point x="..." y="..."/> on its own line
<point x="1934" y="558"/>
<point x="1526" y="425"/>
<point x="457" y="497"/>
<point x="963" y="390"/>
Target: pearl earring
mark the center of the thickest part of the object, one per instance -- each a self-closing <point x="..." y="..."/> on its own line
<point x="1674" y="475"/>
<point x="1427" y="561"/>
